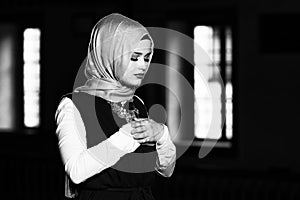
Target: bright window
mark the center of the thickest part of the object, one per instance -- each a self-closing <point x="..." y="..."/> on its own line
<point x="211" y="40"/>
<point x="31" y="77"/>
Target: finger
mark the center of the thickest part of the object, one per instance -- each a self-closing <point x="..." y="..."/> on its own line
<point x="139" y="129"/>
<point x="140" y="119"/>
<point x="139" y="136"/>
<point x="144" y="140"/>
<point x="135" y="124"/>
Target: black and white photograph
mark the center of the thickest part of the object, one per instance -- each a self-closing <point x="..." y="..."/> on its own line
<point x="149" y="100"/>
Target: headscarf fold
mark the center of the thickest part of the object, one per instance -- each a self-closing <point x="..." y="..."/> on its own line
<point x="111" y="45"/>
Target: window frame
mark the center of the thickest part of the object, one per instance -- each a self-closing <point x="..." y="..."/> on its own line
<point x="220" y="17"/>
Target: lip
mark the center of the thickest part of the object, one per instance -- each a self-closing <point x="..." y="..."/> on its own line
<point x="140" y="76"/>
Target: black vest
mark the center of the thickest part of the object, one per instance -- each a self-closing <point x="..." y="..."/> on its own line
<point x="100" y="123"/>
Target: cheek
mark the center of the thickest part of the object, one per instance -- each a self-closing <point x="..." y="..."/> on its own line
<point x="148" y="65"/>
<point x="131" y="68"/>
<point x="129" y="71"/>
<point x="123" y="67"/>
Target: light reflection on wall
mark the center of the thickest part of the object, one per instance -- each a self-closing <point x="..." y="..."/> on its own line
<point x="172" y="105"/>
<point x="7" y="112"/>
<point x="180" y="100"/>
<point x="31" y="56"/>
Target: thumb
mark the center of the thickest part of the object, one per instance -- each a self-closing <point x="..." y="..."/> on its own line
<point x="140" y="119"/>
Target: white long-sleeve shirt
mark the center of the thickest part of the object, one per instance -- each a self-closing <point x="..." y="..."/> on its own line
<point x="80" y="162"/>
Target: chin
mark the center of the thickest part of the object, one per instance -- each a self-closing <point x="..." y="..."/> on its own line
<point x="136" y="85"/>
<point x="133" y="85"/>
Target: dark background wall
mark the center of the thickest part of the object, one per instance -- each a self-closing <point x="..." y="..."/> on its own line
<point x="265" y="164"/>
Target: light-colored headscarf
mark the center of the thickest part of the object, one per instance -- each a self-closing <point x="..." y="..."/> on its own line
<point x="112" y="42"/>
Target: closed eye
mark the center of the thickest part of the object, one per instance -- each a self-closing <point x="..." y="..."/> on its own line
<point x="136" y="59"/>
<point x="136" y="55"/>
<point x="133" y="59"/>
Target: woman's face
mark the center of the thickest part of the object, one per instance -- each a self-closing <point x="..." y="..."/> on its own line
<point x="138" y="65"/>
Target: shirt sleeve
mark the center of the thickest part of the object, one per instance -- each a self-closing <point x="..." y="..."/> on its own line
<point x="79" y="161"/>
<point x="166" y="150"/>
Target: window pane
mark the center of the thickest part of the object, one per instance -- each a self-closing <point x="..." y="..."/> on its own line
<point x="228" y="84"/>
<point x="31" y="56"/>
<point x="209" y="39"/>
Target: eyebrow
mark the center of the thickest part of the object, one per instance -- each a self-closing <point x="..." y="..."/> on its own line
<point x="139" y="53"/>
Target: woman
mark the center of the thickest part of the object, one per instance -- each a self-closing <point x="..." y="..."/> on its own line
<point x="105" y="137"/>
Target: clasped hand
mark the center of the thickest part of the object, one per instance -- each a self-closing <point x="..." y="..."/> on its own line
<point x="146" y="130"/>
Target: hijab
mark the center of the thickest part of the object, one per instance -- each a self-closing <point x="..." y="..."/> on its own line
<point x="111" y="45"/>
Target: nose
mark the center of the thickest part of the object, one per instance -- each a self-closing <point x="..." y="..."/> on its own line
<point x="142" y="64"/>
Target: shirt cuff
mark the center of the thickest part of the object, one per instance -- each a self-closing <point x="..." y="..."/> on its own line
<point x="164" y="138"/>
<point x="123" y="141"/>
